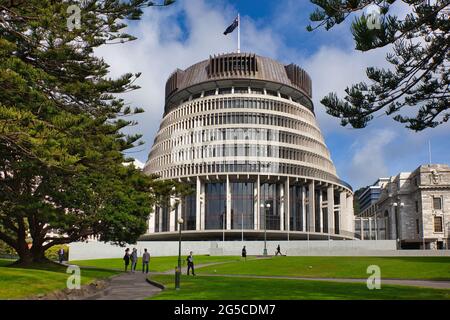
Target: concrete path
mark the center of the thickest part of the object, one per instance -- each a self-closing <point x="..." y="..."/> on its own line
<point x="403" y="282"/>
<point x="127" y="286"/>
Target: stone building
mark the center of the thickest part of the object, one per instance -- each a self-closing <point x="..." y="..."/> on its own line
<point x="413" y="208"/>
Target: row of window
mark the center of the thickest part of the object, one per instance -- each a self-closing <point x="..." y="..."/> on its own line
<point x="198" y="122"/>
<point x="233" y="103"/>
<point x="244" y="167"/>
<point x="180" y="155"/>
<point x="243" y="205"/>
<point x="247" y="90"/>
<point x="231" y="134"/>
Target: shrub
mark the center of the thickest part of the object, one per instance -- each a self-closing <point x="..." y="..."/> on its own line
<point x="52" y="253"/>
<point x="6" y="250"/>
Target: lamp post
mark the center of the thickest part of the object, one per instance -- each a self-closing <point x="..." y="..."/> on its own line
<point x="180" y="221"/>
<point x="266" y="207"/>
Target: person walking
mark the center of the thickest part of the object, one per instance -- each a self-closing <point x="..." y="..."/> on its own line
<point x="126" y="258"/>
<point x="145" y="261"/>
<point x="244" y="253"/>
<point x="134" y="260"/>
<point x="61" y="255"/>
<point x="278" y="251"/>
<point x="190" y="262"/>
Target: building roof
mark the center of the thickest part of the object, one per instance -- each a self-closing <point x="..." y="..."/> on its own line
<point x="238" y="66"/>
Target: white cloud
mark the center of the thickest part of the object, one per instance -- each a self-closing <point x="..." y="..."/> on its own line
<point x="164" y="44"/>
<point x="369" y="158"/>
<point x="138" y="164"/>
<point x="332" y="70"/>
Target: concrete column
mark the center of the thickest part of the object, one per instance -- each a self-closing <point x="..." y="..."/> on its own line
<point x="330" y="209"/>
<point x="343" y="212"/>
<point x="151" y="221"/>
<point x="228" y="201"/>
<point x="311" y="207"/>
<point x="203" y="206"/>
<point x="320" y="211"/>
<point x="198" y="200"/>
<point x="257" y="204"/>
<point x="160" y="219"/>
<point x="287" y="204"/>
<point x="172" y="221"/>
<point x="282" y="207"/>
<point x="303" y="209"/>
<point x="350" y="225"/>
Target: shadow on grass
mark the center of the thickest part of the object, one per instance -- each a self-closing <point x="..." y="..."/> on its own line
<point x="49" y="265"/>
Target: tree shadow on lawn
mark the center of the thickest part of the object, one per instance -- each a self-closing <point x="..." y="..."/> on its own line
<point x="48" y="265"/>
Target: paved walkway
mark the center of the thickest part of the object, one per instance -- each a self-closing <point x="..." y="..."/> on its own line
<point x="127" y="286"/>
<point x="403" y="282"/>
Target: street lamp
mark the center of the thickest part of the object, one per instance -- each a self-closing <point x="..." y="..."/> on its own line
<point x="180" y="221"/>
<point x="266" y="207"/>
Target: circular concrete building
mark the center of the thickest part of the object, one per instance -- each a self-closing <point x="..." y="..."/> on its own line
<point x="241" y="130"/>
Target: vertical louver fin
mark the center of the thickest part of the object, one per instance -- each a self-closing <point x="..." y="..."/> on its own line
<point x="232" y="65"/>
<point x="299" y="78"/>
<point x="173" y="82"/>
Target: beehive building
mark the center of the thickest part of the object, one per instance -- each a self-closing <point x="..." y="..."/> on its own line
<point x="241" y="130"/>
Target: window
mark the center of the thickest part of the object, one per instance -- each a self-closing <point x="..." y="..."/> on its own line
<point x="437" y="224"/>
<point x="417" y="226"/>
<point x="240" y="89"/>
<point x="196" y="96"/>
<point x="224" y="90"/>
<point x="437" y="203"/>
<point x="417" y="206"/>
<point x="257" y="91"/>
<point x="209" y="93"/>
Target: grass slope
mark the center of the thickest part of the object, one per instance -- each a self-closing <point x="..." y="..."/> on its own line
<point x="433" y="268"/>
<point x="223" y="288"/>
<point x="19" y="283"/>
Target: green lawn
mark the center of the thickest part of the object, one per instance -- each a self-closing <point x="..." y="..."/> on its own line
<point x="436" y="268"/>
<point x="221" y="288"/>
<point x="19" y="283"/>
<point x="157" y="264"/>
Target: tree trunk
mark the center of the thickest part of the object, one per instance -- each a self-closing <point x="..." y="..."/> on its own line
<point x="28" y="256"/>
<point x="25" y="257"/>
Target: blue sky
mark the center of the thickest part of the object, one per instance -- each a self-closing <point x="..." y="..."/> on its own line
<point x="191" y="30"/>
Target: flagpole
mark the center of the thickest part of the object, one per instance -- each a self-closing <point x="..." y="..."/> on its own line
<point x="239" y="34"/>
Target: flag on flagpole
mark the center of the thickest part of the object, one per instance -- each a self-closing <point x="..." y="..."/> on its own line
<point x="232" y="26"/>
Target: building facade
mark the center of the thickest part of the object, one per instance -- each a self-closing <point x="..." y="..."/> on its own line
<point x="371" y="194"/>
<point x="240" y="129"/>
<point x="413" y="208"/>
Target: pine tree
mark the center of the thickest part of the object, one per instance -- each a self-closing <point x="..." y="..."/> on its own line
<point x="415" y="91"/>
<point x="61" y="128"/>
